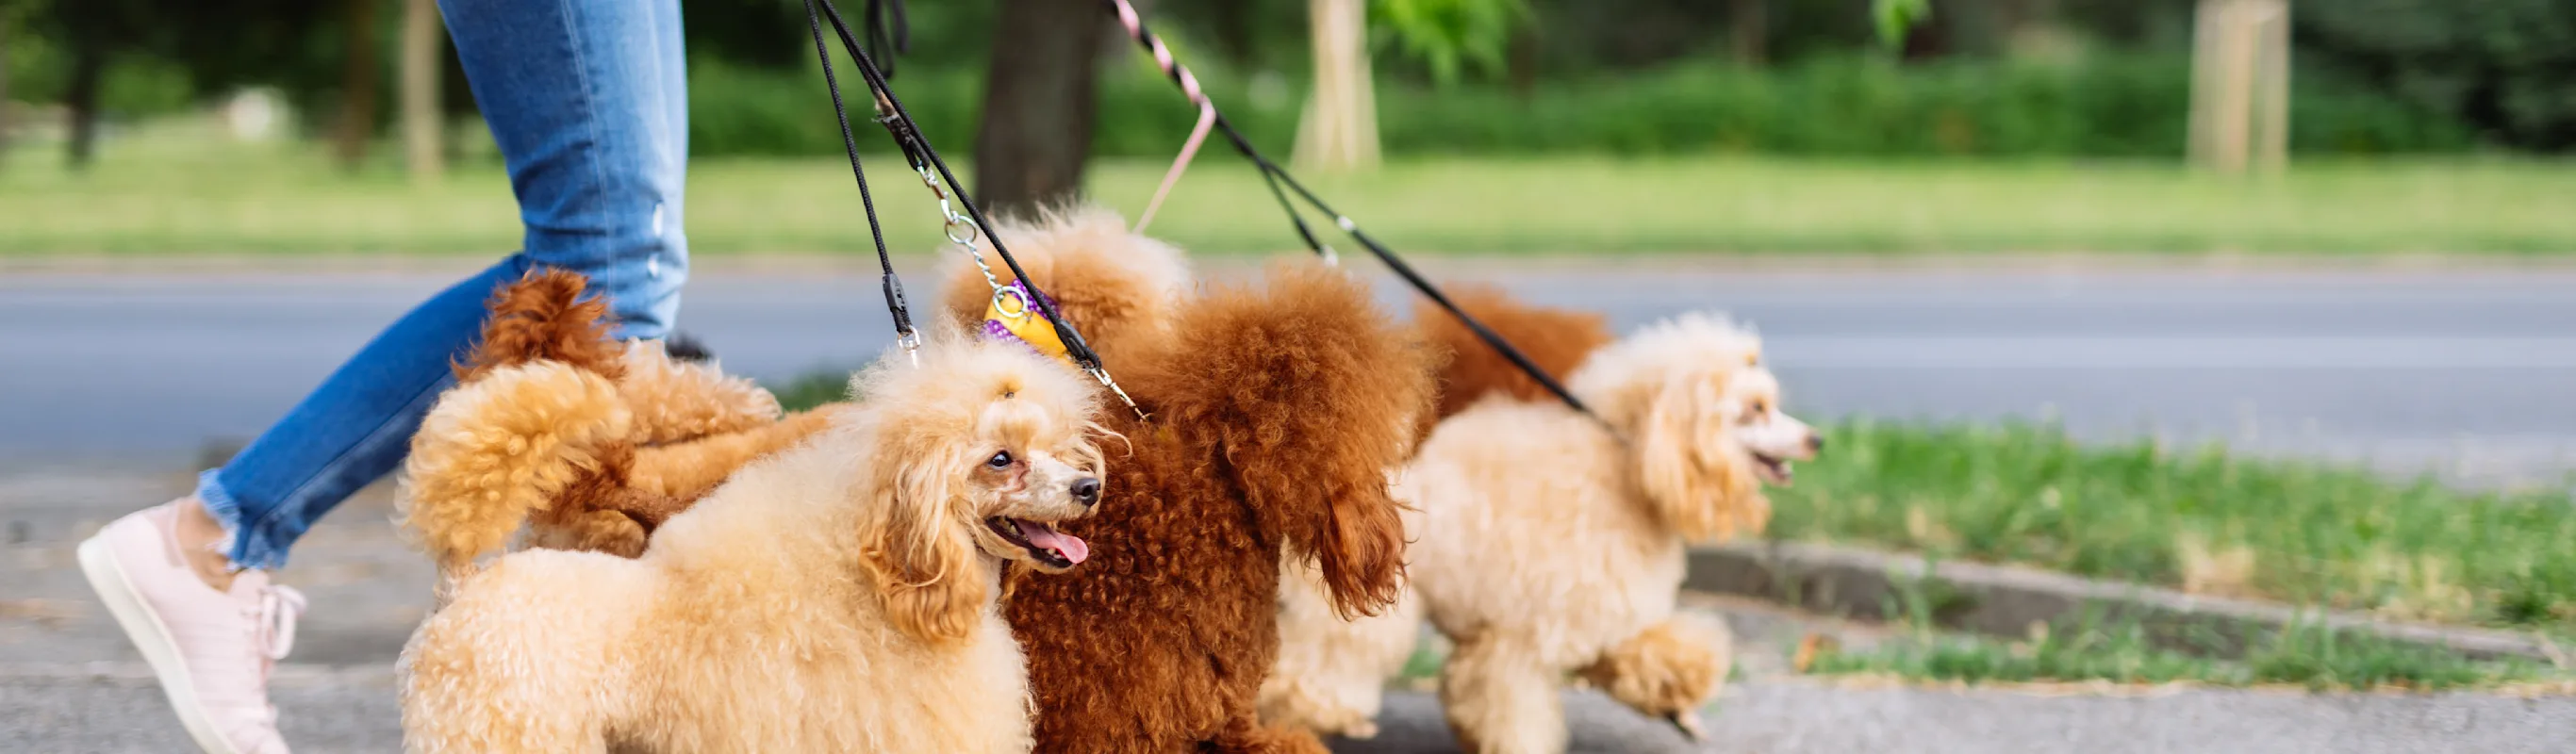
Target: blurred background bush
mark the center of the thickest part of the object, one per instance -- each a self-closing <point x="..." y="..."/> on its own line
<point x="2077" y="78"/>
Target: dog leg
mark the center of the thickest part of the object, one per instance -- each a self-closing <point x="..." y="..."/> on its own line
<point x="688" y="470"/>
<point x="1332" y="673"/>
<point x="1667" y="671"/>
<point x="1500" y="698"/>
<point x="1244" y="735"/>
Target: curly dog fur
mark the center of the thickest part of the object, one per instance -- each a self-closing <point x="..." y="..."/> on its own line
<point x="591" y="452"/>
<point x="840" y="596"/>
<point x="1332" y="673"/>
<point x="1551" y="543"/>
<point x="1277" y="409"/>
<point x="1554" y="339"/>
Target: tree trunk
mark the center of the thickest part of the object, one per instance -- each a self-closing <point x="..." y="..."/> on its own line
<point x="1522" y="65"/>
<point x="4" y="88"/>
<point x="421" y="61"/>
<point x="1234" y="32"/>
<point x="1751" y="29"/>
<point x="358" y="74"/>
<point x="1038" y="104"/>
<point x="1339" y="129"/>
<point x="80" y="99"/>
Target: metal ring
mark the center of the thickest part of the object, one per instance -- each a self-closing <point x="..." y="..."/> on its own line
<point x="1013" y="294"/>
<point x="952" y="226"/>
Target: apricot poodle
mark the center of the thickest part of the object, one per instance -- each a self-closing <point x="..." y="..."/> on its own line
<point x="1553" y="543"/>
<point x="1277" y="409"/>
<point x="838" y="596"/>
<point x="588" y="441"/>
<point x="1332" y="673"/>
<point x="1516" y="574"/>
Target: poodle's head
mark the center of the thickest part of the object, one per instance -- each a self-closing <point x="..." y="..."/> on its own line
<point x="1667" y="672"/>
<point x="1702" y="419"/>
<point x="1119" y="288"/>
<point x="977" y="453"/>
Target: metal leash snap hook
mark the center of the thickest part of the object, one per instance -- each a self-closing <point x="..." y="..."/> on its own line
<point x="911" y="342"/>
<point x="1102" y="375"/>
<point x="1018" y="306"/>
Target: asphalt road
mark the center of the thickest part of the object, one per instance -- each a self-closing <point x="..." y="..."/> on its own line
<point x="2469" y="374"/>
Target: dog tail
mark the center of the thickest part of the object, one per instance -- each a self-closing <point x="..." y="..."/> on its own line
<point x="1555" y="339"/>
<point x="537" y="409"/>
<point x="502" y="447"/>
<point x="546" y="315"/>
<point x="1312" y="393"/>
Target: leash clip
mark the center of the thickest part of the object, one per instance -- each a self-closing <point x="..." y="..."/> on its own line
<point x="1102" y="375"/>
<point x="911" y="341"/>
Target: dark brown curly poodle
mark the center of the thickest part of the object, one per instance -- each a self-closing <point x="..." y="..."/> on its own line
<point x="1277" y="410"/>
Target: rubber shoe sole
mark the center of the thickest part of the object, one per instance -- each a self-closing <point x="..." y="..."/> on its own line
<point x="143" y="626"/>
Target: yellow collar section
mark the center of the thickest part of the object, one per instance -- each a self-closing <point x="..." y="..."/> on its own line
<point x="1010" y="314"/>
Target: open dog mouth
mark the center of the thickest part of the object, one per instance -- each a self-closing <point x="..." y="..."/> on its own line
<point x="1771" y="468"/>
<point x="1054" y="548"/>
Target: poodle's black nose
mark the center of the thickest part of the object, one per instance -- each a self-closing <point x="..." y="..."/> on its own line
<point x="1086" y="490"/>
<point x="1815" y="443"/>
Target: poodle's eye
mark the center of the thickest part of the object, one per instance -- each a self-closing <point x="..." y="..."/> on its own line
<point x="1001" y="460"/>
<point x="1756" y="410"/>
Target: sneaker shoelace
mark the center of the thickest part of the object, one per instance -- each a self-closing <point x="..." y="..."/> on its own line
<point x="274" y="622"/>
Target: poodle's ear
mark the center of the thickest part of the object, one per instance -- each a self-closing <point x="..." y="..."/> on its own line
<point x="1307" y="393"/>
<point x="1698" y="494"/>
<point x="923" y="563"/>
<point x="1363" y="555"/>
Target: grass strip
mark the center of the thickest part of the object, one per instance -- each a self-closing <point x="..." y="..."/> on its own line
<point x="2201" y="520"/>
<point x="181" y="189"/>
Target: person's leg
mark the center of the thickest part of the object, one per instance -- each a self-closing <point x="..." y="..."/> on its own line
<point x="584" y="98"/>
<point x="581" y="98"/>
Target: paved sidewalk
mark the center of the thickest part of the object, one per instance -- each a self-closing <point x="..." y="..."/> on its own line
<point x="70" y="683"/>
<point x="116" y="709"/>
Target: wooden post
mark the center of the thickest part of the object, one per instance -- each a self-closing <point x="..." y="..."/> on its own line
<point x="2240" y="99"/>
<point x="422" y="39"/>
<point x="2272" y="133"/>
<point x="1338" y="131"/>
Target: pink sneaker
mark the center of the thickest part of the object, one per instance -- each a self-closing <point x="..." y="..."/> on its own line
<point x="212" y="650"/>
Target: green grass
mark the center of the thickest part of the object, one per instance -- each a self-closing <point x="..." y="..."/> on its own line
<point x="170" y="190"/>
<point x="2203" y="519"/>
<point x="812" y="390"/>
<point x="2085" y="651"/>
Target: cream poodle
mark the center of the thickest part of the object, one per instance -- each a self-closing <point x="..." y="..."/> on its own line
<point x="838" y="596"/>
<point x="1549" y="544"/>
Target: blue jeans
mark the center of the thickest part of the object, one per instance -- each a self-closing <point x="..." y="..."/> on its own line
<point x="588" y="101"/>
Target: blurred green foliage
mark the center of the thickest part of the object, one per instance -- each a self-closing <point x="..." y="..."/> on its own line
<point x="1448" y="36"/>
<point x="1974" y="77"/>
<point x="2506" y="67"/>
<point x="1860" y="105"/>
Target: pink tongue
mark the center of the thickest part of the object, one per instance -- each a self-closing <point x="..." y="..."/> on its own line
<point x="1068" y="546"/>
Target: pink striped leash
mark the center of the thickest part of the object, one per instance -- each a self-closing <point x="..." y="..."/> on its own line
<point x="1189" y="86"/>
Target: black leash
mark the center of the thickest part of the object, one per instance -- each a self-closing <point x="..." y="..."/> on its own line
<point x="1276" y="176"/>
<point x="918" y="152"/>
<point x="904" y="333"/>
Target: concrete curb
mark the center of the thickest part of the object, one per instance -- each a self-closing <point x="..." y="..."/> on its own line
<point x="2007" y="601"/>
